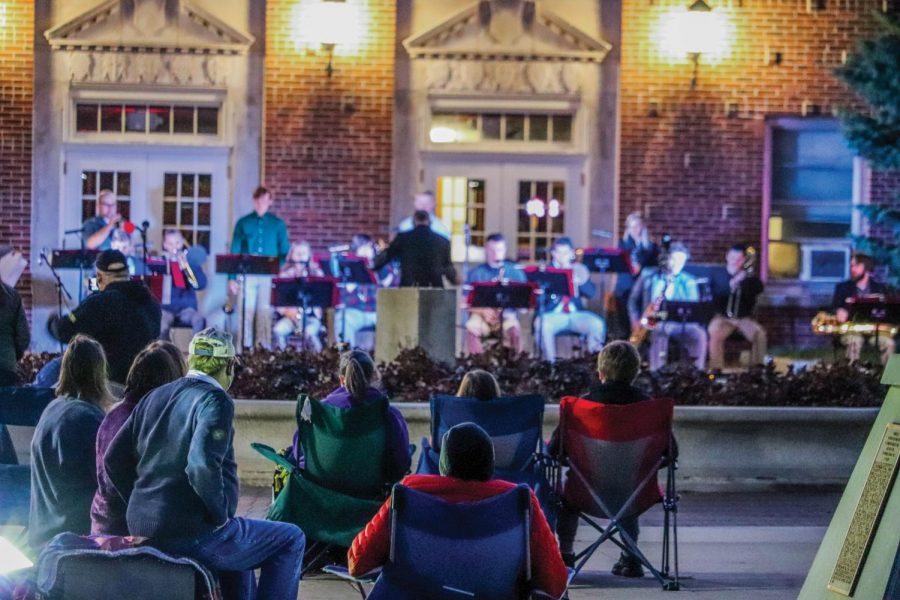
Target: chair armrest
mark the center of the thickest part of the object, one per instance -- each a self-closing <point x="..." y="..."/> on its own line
<point x="342" y="572"/>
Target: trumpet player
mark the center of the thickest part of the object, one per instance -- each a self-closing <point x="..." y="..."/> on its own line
<point x="734" y="308"/>
<point x="860" y="283"/>
<point x="483" y="322"/>
<point x="186" y="270"/>
<point x="568" y="314"/>
<point x="669" y="282"/>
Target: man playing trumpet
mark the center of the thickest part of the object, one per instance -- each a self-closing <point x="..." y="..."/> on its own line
<point x="186" y="269"/>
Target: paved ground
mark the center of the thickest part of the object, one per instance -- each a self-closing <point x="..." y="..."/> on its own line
<point x="732" y="546"/>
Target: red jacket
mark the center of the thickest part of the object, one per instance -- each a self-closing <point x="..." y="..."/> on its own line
<point x="371" y="548"/>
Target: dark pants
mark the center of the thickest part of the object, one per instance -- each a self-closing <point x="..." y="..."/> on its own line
<point x="241" y="545"/>
<point x="567" y="527"/>
<point x="185" y="317"/>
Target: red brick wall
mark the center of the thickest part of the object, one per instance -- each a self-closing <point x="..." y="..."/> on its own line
<point x="16" y="97"/>
<point x="328" y="141"/>
<point x="682" y="166"/>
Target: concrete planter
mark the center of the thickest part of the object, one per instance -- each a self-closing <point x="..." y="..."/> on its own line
<point x="722" y="448"/>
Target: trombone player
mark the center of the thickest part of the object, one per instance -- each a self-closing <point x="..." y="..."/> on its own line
<point x="185" y="266"/>
<point x="734" y="308"/>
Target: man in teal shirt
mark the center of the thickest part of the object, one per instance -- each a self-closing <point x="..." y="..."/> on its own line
<point x="262" y="234"/>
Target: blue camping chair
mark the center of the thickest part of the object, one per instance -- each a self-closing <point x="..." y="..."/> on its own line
<point x="20" y="406"/>
<point x="447" y="551"/>
<point x="515" y="424"/>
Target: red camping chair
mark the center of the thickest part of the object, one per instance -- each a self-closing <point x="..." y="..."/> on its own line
<point x="613" y="453"/>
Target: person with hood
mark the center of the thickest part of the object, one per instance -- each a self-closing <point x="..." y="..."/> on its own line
<point x="467" y="471"/>
<point x="123" y="316"/>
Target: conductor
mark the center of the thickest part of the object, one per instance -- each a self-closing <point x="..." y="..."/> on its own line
<point x="424" y="255"/>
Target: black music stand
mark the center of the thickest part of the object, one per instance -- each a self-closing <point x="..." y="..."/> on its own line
<point x="243" y="265"/>
<point x="502" y="295"/>
<point x="306" y="293"/>
<point x="75" y="259"/>
<point x="685" y="312"/>
<point x="607" y="260"/>
<point x="157" y="265"/>
<point x="552" y="282"/>
<point x="877" y="309"/>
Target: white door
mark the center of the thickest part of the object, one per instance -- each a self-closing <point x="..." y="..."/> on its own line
<point x="493" y="196"/>
<point x="185" y="189"/>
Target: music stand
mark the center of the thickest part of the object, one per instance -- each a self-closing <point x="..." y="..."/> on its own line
<point x="304" y="292"/>
<point x="157" y="265"/>
<point x="351" y="270"/>
<point x="876" y="309"/>
<point x="154" y="283"/>
<point x="502" y="295"/>
<point x="607" y="260"/>
<point x="688" y="312"/>
<point x="75" y="259"/>
<point x="242" y="265"/>
<point x="552" y="282"/>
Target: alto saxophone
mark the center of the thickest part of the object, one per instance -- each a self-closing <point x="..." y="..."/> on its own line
<point x="652" y="316"/>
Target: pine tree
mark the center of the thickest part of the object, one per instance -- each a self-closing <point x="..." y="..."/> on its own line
<point x="873" y="72"/>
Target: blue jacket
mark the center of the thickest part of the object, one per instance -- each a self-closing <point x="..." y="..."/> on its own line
<point x="173" y="461"/>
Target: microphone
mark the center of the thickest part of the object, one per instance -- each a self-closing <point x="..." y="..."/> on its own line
<point x="43" y="260"/>
<point x="145" y="225"/>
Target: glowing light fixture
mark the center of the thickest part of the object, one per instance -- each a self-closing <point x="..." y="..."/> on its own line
<point x="329" y="24"/>
<point x="536" y="208"/>
<point x="694" y="31"/>
<point x="443" y="135"/>
<point x="11" y="559"/>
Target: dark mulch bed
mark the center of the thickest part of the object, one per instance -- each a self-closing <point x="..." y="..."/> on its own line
<point x="414" y="377"/>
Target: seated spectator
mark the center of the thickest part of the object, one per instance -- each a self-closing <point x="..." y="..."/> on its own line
<point x="63" y="462"/>
<point x="156" y="365"/>
<point x="618" y="365"/>
<point x="467" y="466"/>
<point x="359" y="377"/>
<point x="478" y="384"/>
<point x="173" y="464"/>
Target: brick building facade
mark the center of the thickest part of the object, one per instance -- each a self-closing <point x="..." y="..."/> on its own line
<point x="344" y="152"/>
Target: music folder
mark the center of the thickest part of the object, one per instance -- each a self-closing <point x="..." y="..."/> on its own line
<point x="247" y="264"/>
<point x="688" y="312"/>
<point x="501" y="294"/>
<point x="321" y="292"/>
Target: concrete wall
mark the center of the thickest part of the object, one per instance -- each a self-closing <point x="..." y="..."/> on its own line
<point x="721" y="448"/>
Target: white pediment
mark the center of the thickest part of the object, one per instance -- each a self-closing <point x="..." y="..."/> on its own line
<point x="507" y="31"/>
<point x="166" y="26"/>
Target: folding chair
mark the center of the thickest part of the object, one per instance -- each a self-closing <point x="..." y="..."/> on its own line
<point x="515" y="425"/>
<point x="20" y="406"/>
<point x="614" y="453"/>
<point x="447" y="551"/>
<point x="343" y="482"/>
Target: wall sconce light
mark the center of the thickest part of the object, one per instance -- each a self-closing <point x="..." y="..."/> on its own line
<point x="696" y="31"/>
<point x="329" y="24"/>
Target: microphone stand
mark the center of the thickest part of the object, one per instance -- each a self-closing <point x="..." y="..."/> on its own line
<point x="143" y="229"/>
<point x="345" y="273"/>
<point x="60" y="290"/>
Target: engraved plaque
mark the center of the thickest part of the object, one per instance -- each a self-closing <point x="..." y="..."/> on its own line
<point x="867" y="515"/>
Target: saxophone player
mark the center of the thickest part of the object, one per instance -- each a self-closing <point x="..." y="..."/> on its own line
<point x="483" y="322"/>
<point x="734" y="308"/>
<point x="186" y="269"/>
<point x="860" y="283"/>
<point x="655" y="287"/>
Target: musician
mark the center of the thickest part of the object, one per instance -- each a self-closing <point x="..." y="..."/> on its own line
<point x="860" y="283"/>
<point x="643" y="253"/>
<point x="565" y="313"/>
<point x="655" y="287"/>
<point x="424" y="255"/>
<point x="259" y="233"/>
<point x="186" y="269"/>
<point x="97" y="231"/>
<point x="358" y="301"/>
<point x="123" y="316"/>
<point x="483" y="322"/>
<point x="299" y="263"/>
<point x="425" y="201"/>
<point x="121" y="240"/>
<point x="734" y="310"/>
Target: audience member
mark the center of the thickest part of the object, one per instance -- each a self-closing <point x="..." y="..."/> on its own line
<point x="359" y="378"/>
<point x="618" y="365"/>
<point x="467" y="468"/>
<point x="479" y="384"/>
<point x="63" y="462"/>
<point x="14" y="333"/>
<point x="123" y="316"/>
<point x="173" y="464"/>
<point x="156" y="365"/>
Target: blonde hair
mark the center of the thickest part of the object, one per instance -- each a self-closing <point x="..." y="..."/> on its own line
<point x="82" y="373"/>
<point x="479" y="384"/>
<point x="359" y="373"/>
<point x="619" y="361"/>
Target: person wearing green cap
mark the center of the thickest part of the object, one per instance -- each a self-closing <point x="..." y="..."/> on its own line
<point x="173" y="464"/>
<point x="467" y="471"/>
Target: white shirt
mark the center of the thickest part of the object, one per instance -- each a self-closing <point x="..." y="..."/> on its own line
<point x="195" y="374"/>
<point x="437" y="226"/>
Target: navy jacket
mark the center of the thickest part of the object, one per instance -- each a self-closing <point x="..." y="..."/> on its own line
<point x="173" y="461"/>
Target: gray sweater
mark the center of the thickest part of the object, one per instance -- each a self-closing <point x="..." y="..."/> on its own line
<point x="173" y="461"/>
<point x="63" y="470"/>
